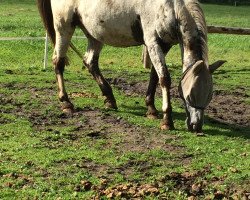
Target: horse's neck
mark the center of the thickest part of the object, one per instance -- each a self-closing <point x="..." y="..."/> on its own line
<point x="191" y="53"/>
<point x="192" y="32"/>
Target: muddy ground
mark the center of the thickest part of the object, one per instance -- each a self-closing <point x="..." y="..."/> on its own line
<point x="226" y="108"/>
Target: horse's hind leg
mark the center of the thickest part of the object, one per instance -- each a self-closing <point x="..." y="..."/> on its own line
<point x="150" y="96"/>
<point x="91" y="62"/>
<point x="63" y="37"/>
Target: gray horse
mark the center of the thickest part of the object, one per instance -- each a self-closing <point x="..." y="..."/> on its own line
<point x="158" y="24"/>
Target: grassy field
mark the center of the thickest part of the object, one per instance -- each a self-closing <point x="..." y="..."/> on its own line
<point x="121" y="154"/>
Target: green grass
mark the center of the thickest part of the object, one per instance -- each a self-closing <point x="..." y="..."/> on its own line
<point x="227" y="15"/>
<point x="45" y="155"/>
<point x="14" y="20"/>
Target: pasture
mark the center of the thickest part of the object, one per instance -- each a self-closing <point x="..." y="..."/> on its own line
<point x="99" y="153"/>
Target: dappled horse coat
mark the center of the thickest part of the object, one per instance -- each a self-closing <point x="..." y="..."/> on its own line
<point x="158" y="24"/>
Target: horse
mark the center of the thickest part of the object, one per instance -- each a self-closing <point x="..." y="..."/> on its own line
<point x="157" y="24"/>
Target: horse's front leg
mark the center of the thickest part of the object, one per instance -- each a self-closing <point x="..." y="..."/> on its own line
<point x="158" y="59"/>
<point x="152" y="112"/>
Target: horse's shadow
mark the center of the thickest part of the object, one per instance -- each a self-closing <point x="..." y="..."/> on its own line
<point x="227" y="71"/>
<point x="220" y="128"/>
<point x="229" y="129"/>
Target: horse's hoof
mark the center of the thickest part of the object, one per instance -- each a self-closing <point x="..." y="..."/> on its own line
<point x="111" y="104"/>
<point x="167" y="127"/>
<point x="67" y="108"/>
<point x="68" y="111"/>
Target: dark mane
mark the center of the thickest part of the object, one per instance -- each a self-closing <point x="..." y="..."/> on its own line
<point x="193" y="26"/>
<point x="198" y="16"/>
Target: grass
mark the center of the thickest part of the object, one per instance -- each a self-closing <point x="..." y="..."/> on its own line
<point x="225" y="15"/>
<point x="45" y="155"/>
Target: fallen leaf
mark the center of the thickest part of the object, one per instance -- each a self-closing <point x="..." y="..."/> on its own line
<point x="234" y="170"/>
<point x="196" y="188"/>
<point x="192" y="198"/>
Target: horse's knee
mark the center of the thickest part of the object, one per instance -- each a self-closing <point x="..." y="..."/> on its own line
<point x="165" y="81"/>
<point x="59" y="65"/>
<point x="91" y="61"/>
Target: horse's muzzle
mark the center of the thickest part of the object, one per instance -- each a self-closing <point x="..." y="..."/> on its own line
<point x="195" y="121"/>
<point x="197" y="127"/>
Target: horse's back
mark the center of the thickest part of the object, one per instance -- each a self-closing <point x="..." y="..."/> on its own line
<point x="115" y="22"/>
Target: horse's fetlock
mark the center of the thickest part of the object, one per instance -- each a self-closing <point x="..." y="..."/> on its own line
<point x="149" y="100"/>
<point x="63" y="97"/>
<point x="167" y="116"/>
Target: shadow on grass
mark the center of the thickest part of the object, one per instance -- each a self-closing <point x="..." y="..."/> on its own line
<point x="220" y="128"/>
<point x="227" y="71"/>
<point x="229" y="130"/>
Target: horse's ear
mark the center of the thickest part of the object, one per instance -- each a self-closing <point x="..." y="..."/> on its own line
<point x="198" y="66"/>
<point x="216" y="65"/>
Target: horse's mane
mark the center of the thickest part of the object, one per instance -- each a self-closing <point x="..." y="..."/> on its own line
<point x="195" y="21"/>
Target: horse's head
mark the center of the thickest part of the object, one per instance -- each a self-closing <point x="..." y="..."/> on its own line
<point x="195" y="89"/>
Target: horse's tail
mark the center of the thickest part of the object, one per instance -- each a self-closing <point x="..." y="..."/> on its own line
<point x="44" y="7"/>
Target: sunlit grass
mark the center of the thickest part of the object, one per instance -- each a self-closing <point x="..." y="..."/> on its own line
<point x="48" y="161"/>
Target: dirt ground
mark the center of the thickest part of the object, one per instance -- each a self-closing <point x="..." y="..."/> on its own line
<point x="226" y="108"/>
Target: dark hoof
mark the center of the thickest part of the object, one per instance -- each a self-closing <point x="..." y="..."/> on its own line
<point x="67" y="107"/>
<point x="110" y="104"/>
<point x="68" y="111"/>
<point x="167" y="127"/>
<point x="189" y="127"/>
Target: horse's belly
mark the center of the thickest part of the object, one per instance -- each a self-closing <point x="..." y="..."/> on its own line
<point x="113" y="25"/>
<point x="116" y="32"/>
<point x="115" y="37"/>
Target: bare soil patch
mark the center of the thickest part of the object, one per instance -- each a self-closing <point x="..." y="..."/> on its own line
<point x="94" y="124"/>
<point x="97" y="124"/>
<point x="225" y="107"/>
<point x="230" y="108"/>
